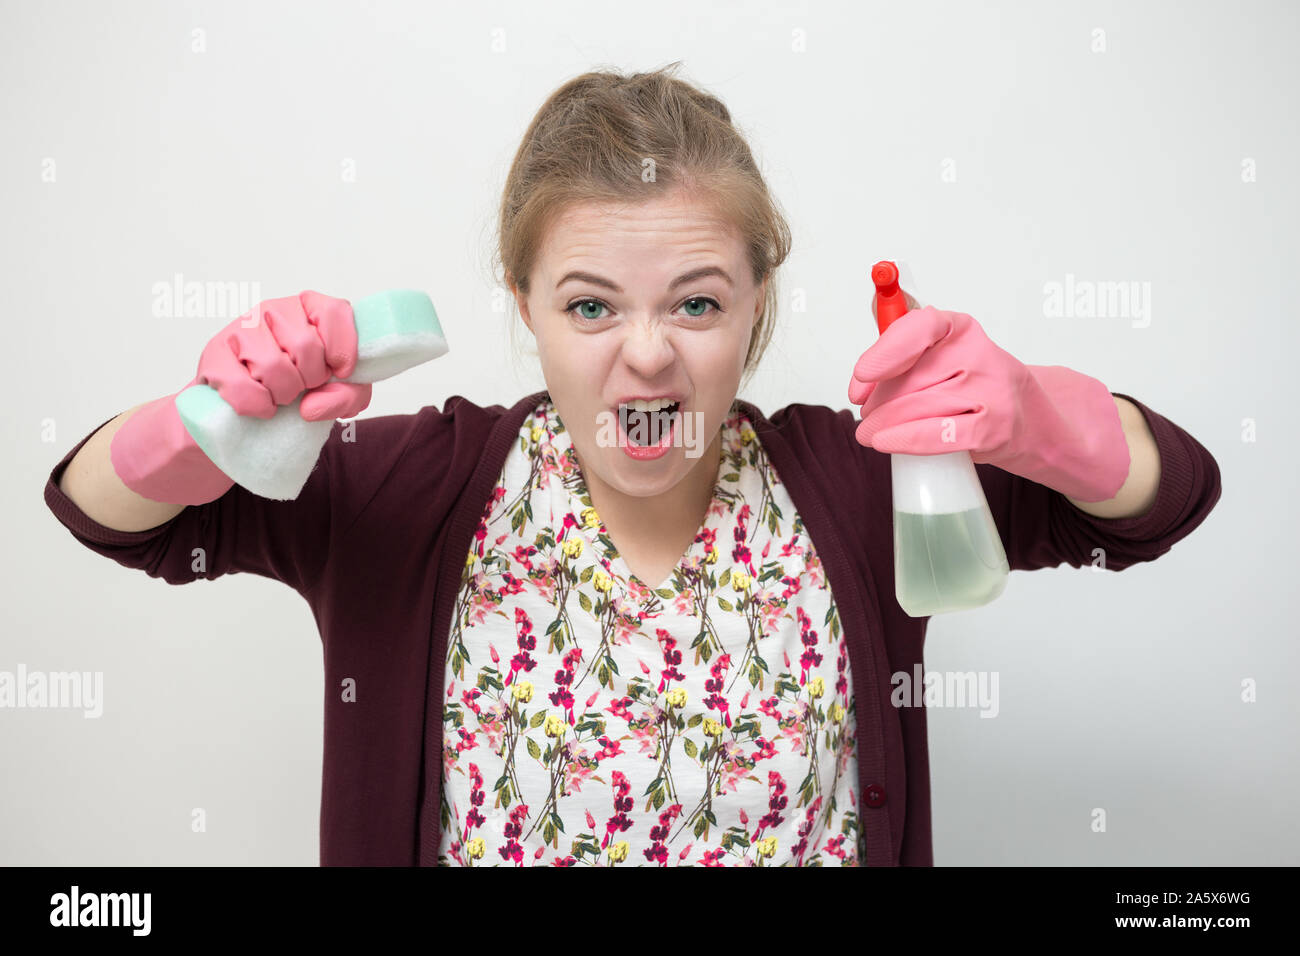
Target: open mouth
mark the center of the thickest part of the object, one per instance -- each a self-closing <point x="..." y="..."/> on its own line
<point x="646" y="427"/>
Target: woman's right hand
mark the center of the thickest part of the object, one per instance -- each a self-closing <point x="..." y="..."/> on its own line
<point x="283" y="348"/>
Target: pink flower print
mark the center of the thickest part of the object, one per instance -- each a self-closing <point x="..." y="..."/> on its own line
<point x="513" y="850"/>
<point x="567" y="861"/>
<point x="809" y="638"/>
<point x="769" y="707"/>
<point x="713" y="858"/>
<point x="684" y="603"/>
<point x="776" y="802"/>
<point x="658" y="851"/>
<point x="625" y="626"/>
<point x="495" y="731"/>
<point x="482" y="602"/>
<point x="591" y="700"/>
<point x="576" y="774"/>
<point x="449" y="755"/>
<point x="766" y="750"/>
<point x="672" y="657"/>
<point x="619" y="708"/>
<point x="476" y="797"/>
<point x="562" y="696"/>
<point x="814" y="570"/>
<point x="791" y="547"/>
<point x="569" y="522"/>
<point x="523" y="660"/>
<point x="500" y="538"/>
<point x="467" y="741"/>
<point x="523" y="554"/>
<point x="538" y="854"/>
<point x="469" y="698"/>
<point x="795" y="734"/>
<point x="732" y="775"/>
<point x="835" y="846"/>
<point x="744" y="817"/>
<point x="647" y="737"/>
<point x="545" y="585"/>
<point x="591" y="822"/>
<point x="496" y="658"/>
<point x="609" y="748"/>
<point x="685" y="850"/>
<point x="804" y="829"/>
<point x="766" y="548"/>
<point x="744" y="701"/>
<point x="645" y="668"/>
<point x="512" y="584"/>
<point x="715" y="700"/>
<point x="637" y="591"/>
<point x="792" y="587"/>
<point x="619" y="822"/>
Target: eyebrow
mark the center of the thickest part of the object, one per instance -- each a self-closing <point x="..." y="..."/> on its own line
<point x="680" y="280"/>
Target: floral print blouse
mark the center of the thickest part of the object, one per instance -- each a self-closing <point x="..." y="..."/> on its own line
<point x="590" y="719"/>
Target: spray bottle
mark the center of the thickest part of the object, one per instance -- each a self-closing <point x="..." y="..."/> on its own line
<point x="948" y="555"/>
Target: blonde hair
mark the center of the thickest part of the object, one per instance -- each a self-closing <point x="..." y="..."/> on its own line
<point x="590" y="142"/>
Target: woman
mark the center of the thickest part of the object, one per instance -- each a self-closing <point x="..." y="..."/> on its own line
<point x="555" y="634"/>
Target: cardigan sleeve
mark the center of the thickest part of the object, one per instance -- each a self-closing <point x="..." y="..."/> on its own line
<point x="240" y="532"/>
<point x="1041" y="528"/>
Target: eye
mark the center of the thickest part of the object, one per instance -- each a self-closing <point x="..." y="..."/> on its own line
<point x="581" y="303"/>
<point x="700" y="299"/>
<point x="695" y="302"/>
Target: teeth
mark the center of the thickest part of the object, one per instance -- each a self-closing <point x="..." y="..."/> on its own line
<point x="654" y="405"/>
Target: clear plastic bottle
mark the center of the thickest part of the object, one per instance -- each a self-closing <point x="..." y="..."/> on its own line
<point x="948" y="555"/>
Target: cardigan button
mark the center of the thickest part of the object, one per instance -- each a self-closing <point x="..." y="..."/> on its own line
<point x="875" y="795"/>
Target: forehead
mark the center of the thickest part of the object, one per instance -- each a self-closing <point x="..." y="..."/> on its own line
<point x="677" y="225"/>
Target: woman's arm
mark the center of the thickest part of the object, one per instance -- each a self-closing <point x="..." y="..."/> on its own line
<point x="1138" y="493"/>
<point x="95" y="488"/>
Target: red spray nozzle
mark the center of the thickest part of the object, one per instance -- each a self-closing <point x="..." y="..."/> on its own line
<point x="891" y="303"/>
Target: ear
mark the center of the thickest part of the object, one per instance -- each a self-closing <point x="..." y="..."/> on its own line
<point x="522" y="302"/>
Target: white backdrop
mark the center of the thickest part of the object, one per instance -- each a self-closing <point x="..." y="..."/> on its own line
<point x="354" y="147"/>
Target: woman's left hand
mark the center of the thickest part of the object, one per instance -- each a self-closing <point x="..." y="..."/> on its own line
<point x="934" y="383"/>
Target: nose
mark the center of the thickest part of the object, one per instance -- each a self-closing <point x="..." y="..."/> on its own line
<point x="647" y="348"/>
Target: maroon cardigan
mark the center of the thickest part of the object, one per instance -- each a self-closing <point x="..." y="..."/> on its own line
<point x="376" y="543"/>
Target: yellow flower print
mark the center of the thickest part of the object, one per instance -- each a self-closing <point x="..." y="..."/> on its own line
<point x="740" y="580"/>
<point x="712" y="556"/>
<point x="766" y="846"/>
<point x="618" y="852"/>
<point x="469" y="561"/>
<point x="816" y="687"/>
<point x="590" y="518"/>
<point x="602" y="581"/>
<point x="837" y="713"/>
<point x="573" y="546"/>
<point x="523" y="691"/>
<point x="747" y="435"/>
<point x="535" y="435"/>
<point x="712" y="728"/>
<point x="476" y="847"/>
<point x="553" y="726"/>
<point x="676" y="698"/>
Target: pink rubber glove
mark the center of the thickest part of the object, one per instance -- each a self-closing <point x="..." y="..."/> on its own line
<point x="266" y="357"/>
<point x="935" y="383"/>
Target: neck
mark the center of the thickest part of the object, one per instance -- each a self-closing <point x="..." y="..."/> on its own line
<point x="674" y="515"/>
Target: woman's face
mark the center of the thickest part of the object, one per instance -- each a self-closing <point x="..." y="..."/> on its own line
<point x="652" y="300"/>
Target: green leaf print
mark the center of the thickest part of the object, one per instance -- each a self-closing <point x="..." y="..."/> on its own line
<point x="725" y="604"/>
<point x="539" y="718"/>
<point x="584" y="601"/>
<point x="689" y="746"/>
<point x="586" y="574"/>
<point x="667" y="594"/>
<point x="534" y="751"/>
